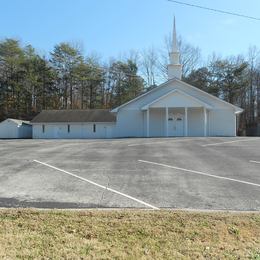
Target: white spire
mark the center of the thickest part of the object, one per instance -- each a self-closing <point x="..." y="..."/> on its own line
<point x="174" y="68"/>
<point x="174" y="38"/>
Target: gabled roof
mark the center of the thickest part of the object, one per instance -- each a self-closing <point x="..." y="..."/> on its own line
<point x="74" y="116"/>
<point x="17" y="121"/>
<point x="236" y="108"/>
<point x="203" y="104"/>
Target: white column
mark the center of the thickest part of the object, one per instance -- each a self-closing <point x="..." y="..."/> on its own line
<point x="148" y="123"/>
<point x="166" y="121"/>
<point x="186" y="121"/>
<point x="205" y="121"/>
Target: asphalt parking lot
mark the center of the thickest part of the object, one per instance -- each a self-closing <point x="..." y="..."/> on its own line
<point x="184" y="173"/>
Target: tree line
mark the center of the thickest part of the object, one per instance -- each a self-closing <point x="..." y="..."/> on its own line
<point x="30" y="83"/>
<point x="66" y="79"/>
<point x="235" y="79"/>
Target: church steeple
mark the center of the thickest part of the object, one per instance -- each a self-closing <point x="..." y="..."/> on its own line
<point x="174" y="68"/>
<point x="174" y="38"/>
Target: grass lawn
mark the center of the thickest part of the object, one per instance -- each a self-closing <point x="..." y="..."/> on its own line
<point x="128" y="234"/>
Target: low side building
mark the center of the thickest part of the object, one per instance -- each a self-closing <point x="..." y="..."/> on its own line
<point x="74" y="124"/>
<point x="15" y="128"/>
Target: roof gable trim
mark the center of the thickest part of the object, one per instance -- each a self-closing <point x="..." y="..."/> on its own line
<point x="203" y="104"/>
<point x="115" y="110"/>
<point x="236" y="108"/>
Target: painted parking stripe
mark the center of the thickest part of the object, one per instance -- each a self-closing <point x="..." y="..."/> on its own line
<point x="98" y="185"/>
<point x="164" y="141"/>
<point x="229" y="142"/>
<point x="77" y="142"/>
<point x="200" y="173"/>
<point x="254" y="161"/>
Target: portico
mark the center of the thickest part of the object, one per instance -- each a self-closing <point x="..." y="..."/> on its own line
<point x="181" y="121"/>
<point x="178" y="111"/>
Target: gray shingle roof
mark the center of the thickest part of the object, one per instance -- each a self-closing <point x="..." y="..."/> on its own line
<point x="75" y="116"/>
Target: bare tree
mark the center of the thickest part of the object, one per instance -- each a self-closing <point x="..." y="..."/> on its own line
<point x="258" y="91"/>
<point x="132" y="55"/>
<point x="149" y="66"/>
<point x="254" y="62"/>
<point x="190" y="56"/>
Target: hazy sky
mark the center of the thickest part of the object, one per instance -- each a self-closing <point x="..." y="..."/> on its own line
<point x="111" y="27"/>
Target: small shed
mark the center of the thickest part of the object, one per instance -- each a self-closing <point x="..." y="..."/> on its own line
<point x="15" y="128"/>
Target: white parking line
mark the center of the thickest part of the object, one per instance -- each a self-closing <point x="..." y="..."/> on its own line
<point x="229" y="142"/>
<point x="254" y="161"/>
<point x="200" y="173"/>
<point x="164" y="141"/>
<point x="98" y="185"/>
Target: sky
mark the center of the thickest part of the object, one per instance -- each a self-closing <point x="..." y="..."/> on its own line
<point x="111" y="28"/>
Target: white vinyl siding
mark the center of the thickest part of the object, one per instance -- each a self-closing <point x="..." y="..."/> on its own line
<point x="10" y="129"/>
<point x="76" y="130"/>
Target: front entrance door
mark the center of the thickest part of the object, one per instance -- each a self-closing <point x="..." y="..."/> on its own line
<point x="176" y="124"/>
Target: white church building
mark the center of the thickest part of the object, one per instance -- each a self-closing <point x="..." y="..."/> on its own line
<point x="174" y="108"/>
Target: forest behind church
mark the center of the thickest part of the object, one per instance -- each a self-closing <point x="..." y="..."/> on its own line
<point x="68" y="79"/>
